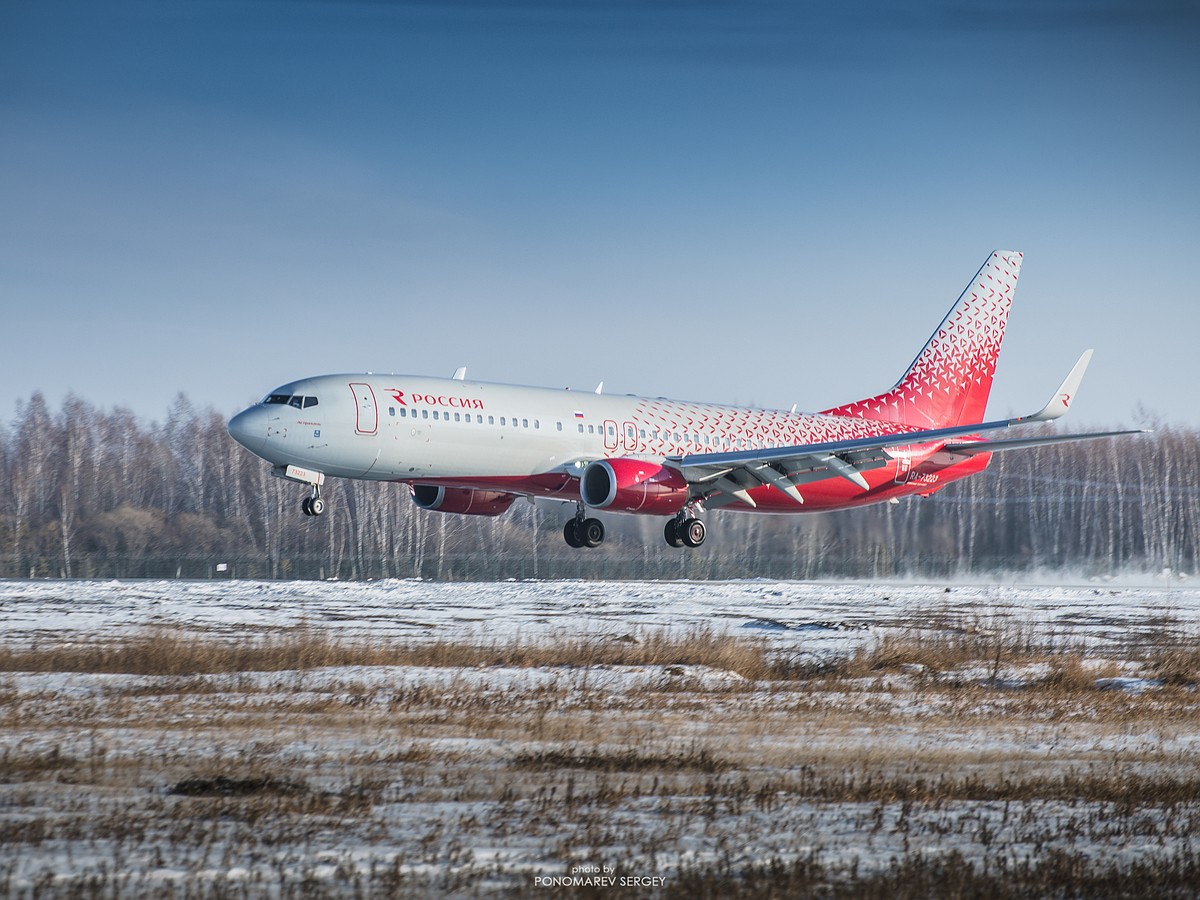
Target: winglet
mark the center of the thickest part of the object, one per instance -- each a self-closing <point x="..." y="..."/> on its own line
<point x="1066" y="393"/>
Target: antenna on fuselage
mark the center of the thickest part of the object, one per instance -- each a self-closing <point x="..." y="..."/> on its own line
<point x="600" y="388"/>
<point x="460" y="374"/>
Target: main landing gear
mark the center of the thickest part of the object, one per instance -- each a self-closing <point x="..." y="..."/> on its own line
<point x="684" y="530"/>
<point x="583" y="532"/>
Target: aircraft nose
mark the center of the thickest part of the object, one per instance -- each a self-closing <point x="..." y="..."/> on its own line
<point x="249" y="428"/>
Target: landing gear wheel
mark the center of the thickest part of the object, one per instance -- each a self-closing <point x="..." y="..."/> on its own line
<point x="591" y="532"/>
<point x="693" y="532"/>
<point x="571" y="533"/>
<point x="671" y="533"/>
<point x="313" y="505"/>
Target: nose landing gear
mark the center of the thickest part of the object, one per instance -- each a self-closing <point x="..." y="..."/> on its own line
<point x="313" y="505"/>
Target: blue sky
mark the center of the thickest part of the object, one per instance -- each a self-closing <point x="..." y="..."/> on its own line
<point x="768" y="202"/>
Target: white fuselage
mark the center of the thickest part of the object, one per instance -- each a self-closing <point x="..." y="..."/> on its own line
<point x="417" y="429"/>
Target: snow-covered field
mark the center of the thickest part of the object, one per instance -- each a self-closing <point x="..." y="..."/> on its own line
<point x="377" y="780"/>
<point x="811" y="615"/>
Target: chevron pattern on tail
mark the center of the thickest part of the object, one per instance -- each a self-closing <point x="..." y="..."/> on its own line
<point x="949" y="381"/>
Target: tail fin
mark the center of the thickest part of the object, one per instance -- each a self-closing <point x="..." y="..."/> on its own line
<point x="949" y="381"/>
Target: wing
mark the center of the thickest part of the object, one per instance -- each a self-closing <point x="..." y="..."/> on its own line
<point x="729" y="477"/>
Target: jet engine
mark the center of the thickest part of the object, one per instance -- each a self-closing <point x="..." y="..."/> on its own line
<point x="633" y="485"/>
<point x="466" y="501"/>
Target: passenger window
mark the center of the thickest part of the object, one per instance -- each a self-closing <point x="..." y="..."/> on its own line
<point x="391" y="411"/>
<point x="559" y="425"/>
<point x="403" y="413"/>
<point x="643" y="433"/>
<point x="581" y="428"/>
<point x="491" y="420"/>
<point x="424" y="414"/>
<point x="591" y="429"/>
<point x="503" y="420"/>
<point x="457" y="418"/>
<point x="536" y="424"/>
<point x="479" y="420"/>
<point x="524" y="423"/>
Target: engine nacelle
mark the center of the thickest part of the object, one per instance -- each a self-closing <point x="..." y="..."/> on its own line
<point x="466" y="501"/>
<point x="633" y="485"/>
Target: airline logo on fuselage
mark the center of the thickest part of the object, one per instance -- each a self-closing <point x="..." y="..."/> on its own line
<point x="436" y="400"/>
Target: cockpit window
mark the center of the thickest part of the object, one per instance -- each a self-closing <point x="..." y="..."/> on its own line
<point x="296" y="400"/>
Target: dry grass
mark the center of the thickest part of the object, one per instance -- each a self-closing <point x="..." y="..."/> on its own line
<point x="1000" y="655"/>
<point x="858" y="777"/>
<point x="1177" y="665"/>
<point x="627" y="759"/>
<point x="173" y="651"/>
<point x="935" y="652"/>
<point x="919" y="876"/>
<point x="943" y="648"/>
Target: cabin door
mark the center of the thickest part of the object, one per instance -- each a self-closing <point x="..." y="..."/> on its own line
<point x="366" y="413"/>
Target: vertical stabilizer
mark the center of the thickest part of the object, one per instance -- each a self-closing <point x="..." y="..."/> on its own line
<point x="949" y="381"/>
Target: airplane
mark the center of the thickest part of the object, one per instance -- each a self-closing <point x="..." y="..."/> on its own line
<point x="472" y="447"/>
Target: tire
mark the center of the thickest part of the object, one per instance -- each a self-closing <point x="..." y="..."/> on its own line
<point x="306" y="506"/>
<point x="317" y="505"/>
<point x="592" y="533"/>
<point x="571" y="534"/>
<point x="671" y="533"/>
<point x="694" y="532"/>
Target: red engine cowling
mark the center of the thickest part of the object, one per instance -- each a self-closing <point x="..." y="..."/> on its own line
<point x="465" y="501"/>
<point x="633" y="485"/>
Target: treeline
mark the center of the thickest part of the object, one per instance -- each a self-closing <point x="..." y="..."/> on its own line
<point x="95" y="493"/>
